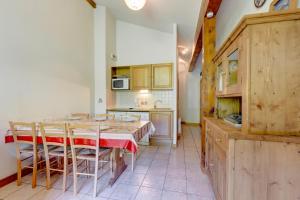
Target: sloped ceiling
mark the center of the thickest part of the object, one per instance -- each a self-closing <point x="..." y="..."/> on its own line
<point x="161" y="15"/>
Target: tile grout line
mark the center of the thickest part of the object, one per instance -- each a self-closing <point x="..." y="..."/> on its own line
<point x="145" y="175"/>
<point x="161" y="195"/>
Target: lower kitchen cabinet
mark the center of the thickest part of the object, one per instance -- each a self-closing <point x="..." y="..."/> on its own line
<point x="220" y="173"/>
<point x="163" y="123"/>
<point x="215" y="159"/>
<point x="251" y="167"/>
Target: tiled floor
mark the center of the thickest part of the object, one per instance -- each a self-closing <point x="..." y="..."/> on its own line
<point x="161" y="173"/>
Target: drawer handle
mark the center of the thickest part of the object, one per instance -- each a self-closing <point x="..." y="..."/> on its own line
<point x="218" y="140"/>
<point x="211" y="165"/>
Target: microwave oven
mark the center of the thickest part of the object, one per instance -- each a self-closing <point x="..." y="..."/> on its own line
<point x="120" y="84"/>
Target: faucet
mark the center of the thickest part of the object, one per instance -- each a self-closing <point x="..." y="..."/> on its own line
<point x="155" y="103"/>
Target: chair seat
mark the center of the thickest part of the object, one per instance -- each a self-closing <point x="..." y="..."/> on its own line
<point x="59" y="151"/>
<point x="30" y="150"/>
<point x="90" y="154"/>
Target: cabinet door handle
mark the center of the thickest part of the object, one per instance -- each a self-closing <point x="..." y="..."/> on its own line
<point x="218" y="140"/>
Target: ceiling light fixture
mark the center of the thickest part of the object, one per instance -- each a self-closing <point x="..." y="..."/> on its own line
<point x="135" y="4"/>
<point x="210" y="14"/>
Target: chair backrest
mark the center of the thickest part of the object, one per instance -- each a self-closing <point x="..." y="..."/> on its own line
<point x="81" y="115"/>
<point x="105" y="116"/>
<point x="50" y="131"/>
<point x="24" y="132"/>
<point x="83" y="136"/>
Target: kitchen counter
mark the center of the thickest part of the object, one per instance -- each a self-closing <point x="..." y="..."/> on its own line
<point x="238" y="134"/>
<point x="140" y="109"/>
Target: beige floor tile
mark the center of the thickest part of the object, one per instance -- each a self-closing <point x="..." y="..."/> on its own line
<point x="146" y="193"/>
<point x="197" y="197"/>
<point x="47" y="194"/>
<point x="25" y="192"/>
<point x="200" y="188"/>
<point x="10" y="189"/>
<point x="140" y="169"/>
<point x="133" y="179"/>
<point x="154" y="182"/>
<point x="124" y="192"/>
<point x="178" y="173"/>
<point x="174" y="184"/>
<point x="169" y="195"/>
<point x="69" y="196"/>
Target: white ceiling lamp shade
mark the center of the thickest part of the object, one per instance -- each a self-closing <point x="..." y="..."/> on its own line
<point x="135" y="4"/>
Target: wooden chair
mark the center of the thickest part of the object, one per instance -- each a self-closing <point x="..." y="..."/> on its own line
<point x="55" y="149"/>
<point x="81" y="115"/>
<point x="133" y="156"/>
<point x="105" y="116"/>
<point x="88" y="152"/>
<point x="25" y="134"/>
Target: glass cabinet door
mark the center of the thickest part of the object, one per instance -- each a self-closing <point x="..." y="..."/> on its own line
<point x="220" y="78"/>
<point x="233" y="68"/>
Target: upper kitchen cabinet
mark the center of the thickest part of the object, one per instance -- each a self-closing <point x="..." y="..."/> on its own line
<point x="162" y="76"/>
<point x="141" y="77"/>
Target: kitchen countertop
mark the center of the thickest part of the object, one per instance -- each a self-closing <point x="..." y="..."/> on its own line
<point x="140" y="109"/>
<point x="238" y="134"/>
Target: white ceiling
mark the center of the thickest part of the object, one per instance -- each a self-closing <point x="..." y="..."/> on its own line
<point x="161" y="15"/>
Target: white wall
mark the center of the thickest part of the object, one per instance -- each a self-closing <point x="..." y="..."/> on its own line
<point x="105" y="45"/>
<point x="141" y="45"/>
<point x="189" y="92"/>
<point x="46" y="63"/>
<point x="231" y="12"/>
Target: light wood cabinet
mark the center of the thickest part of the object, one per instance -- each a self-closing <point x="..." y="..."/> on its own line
<point x="229" y="71"/>
<point x="240" y="166"/>
<point x="258" y="71"/>
<point x="162" y="76"/>
<point x="261" y="66"/>
<point x="215" y="160"/>
<point x="162" y="122"/>
<point x="209" y="156"/>
<point x="147" y="77"/>
<point x="141" y="77"/>
<point x="220" y="173"/>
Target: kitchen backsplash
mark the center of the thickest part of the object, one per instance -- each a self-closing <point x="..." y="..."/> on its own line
<point x="145" y="99"/>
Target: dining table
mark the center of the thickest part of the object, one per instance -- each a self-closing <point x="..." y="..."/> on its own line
<point x="116" y="134"/>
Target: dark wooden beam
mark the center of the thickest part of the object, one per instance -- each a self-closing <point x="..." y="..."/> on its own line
<point x="92" y="3"/>
<point x="206" y="6"/>
<point x="214" y="6"/>
<point x="196" y="53"/>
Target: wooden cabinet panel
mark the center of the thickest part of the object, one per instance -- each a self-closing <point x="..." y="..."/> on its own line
<point x="266" y="170"/>
<point x="216" y="161"/>
<point x="209" y="150"/>
<point x="162" y="76"/>
<point x="221" y="78"/>
<point x="275" y="78"/>
<point x="162" y="122"/>
<point x="220" y="170"/>
<point x="141" y="77"/>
